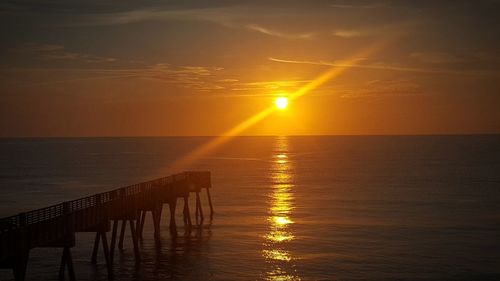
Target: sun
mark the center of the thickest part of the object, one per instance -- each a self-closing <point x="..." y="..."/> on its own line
<point x="281" y="102"/>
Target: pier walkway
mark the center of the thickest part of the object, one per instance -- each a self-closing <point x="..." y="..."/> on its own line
<point x="56" y="226"/>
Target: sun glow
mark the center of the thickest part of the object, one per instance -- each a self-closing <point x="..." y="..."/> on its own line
<point x="281" y="102"/>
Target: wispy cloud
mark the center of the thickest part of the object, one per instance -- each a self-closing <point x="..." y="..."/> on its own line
<point x="353" y="5"/>
<point x="383" y="88"/>
<point x="230" y="17"/>
<point x="226" y="16"/>
<point x="454" y="58"/>
<point x="200" y="78"/>
<point x="383" y="66"/>
<point x="228" y="80"/>
<point x="379" y="30"/>
<point x="270" y="32"/>
<point x="436" y="57"/>
<point x="52" y="52"/>
<point x="347" y="33"/>
<point x="273" y="85"/>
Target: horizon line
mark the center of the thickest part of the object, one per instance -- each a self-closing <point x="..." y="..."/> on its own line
<point x="291" y="135"/>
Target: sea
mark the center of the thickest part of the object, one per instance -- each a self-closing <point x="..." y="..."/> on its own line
<point x="286" y="207"/>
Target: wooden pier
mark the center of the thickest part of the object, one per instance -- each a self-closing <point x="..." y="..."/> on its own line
<point x="56" y="226"/>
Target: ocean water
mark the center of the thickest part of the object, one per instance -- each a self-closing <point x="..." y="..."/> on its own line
<point x="286" y="208"/>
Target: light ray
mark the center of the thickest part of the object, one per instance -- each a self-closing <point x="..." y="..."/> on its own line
<point x="206" y="148"/>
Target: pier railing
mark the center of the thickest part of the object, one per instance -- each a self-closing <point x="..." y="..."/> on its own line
<point x="56" y="225"/>
<point x="48" y="213"/>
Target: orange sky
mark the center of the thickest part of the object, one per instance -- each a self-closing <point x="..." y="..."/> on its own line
<point x="150" y="69"/>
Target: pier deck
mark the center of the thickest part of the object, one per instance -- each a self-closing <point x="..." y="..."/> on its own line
<point x="56" y="226"/>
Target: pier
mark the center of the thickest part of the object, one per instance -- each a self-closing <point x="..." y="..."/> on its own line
<point x="56" y="226"/>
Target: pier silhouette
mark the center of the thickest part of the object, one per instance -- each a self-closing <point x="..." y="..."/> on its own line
<point x="55" y="226"/>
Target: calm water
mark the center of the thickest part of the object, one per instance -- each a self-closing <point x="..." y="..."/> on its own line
<point x="287" y="208"/>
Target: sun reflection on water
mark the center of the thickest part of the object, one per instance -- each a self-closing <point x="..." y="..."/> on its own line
<point x="276" y="245"/>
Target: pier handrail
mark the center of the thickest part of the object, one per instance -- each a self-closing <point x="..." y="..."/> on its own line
<point x="28" y="218"/>
<point x="57" y="225"/>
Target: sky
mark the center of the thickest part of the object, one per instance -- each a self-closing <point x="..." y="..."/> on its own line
<point x="170" y="68"/>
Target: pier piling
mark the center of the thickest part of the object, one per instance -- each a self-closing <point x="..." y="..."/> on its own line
<point x="56" y="226"/>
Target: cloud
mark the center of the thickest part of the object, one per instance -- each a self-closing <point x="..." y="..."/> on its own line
<point x="41" y="47"/>
<point x="240" y="15"/>
<point x="227" y="17"/>
<point x="107" y="6"/>
<point x="194" y="77"/>
<point x="488" y="56"/>
<point x="200" y="78"/>
<point x="389" y="67"/>
<point x="455" y="58"/>
<point x="52" y="52"/>
<point x="379" y="30"/>
<point x="273" y="85"/>
<point x="436" y="57"/>
<point x="384" y="88"/>
<point x="220" y="15"/>
<point x="374" y="5"/>
<point x="346" y="33"/>
<point x="270" y="32"/>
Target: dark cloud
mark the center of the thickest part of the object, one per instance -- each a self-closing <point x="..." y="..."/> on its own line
<point x="51" y="52"/>
<point x="104" y="6"/>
